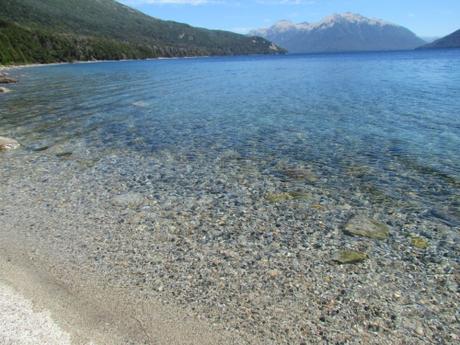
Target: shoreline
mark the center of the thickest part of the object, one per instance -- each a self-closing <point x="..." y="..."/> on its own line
<point x="20" y="323"/>
<point x="20" y="66"/>
<point x="11" y="67"/>
<point x="62" y="305"/>
<point x="14" y="67"/>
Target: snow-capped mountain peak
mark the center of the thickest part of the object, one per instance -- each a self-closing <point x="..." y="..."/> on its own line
<point x="349" y="17"/>
<point x="340" y="32"/>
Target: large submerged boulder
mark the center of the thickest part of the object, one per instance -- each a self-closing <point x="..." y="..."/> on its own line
<point x="8" y="144"/>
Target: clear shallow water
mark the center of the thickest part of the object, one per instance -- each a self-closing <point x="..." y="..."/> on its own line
<point x="387" y="124"/>
<point x="226" y="186"/>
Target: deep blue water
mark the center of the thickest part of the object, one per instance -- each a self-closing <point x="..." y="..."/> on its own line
<point x="397" y="114"/>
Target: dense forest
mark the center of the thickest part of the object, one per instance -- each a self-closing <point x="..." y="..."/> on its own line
<point x="43" y="31"/>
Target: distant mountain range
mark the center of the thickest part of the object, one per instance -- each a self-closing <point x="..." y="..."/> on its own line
<point x="450" y="41"/>
<point x="340" y="33"/>
<point x="429" y="39"/>
<point x="67" y="30"/>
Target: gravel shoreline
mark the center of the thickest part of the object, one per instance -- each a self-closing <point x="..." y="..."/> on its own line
<point x="46" y="299"/>
<point x="256" y="266"/>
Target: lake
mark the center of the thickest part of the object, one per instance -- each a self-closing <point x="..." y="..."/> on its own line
<point x="228" y="184"/>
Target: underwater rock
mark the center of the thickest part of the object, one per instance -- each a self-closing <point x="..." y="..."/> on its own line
<point x="300" y="174"/>
<point x="377" y="195"/>
<point x="129" y="200"/>
<point x="301" y="196"/>
<point x="65" y="154"/>
<point x="361" y="226"/>
<point x="278" y="197"/>
<point x="4" y="90"/>
<point x="38" y="148"/>
<point x="8" y="144"/>
<point x="347" y="256"/>
<point x="7" y="80"/>
<point x="419" y="242"/>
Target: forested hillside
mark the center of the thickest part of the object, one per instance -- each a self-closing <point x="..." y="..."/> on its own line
<point x="66" y="30"/>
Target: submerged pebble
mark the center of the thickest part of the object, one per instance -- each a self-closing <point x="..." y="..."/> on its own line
<point x="39" y="148"/>
<point x="419" y="242"/>
<point x="278" y="197"/>
<point x="362" y="226"/>
<point x="347" y="256"/>
<point x="65" y="154"/>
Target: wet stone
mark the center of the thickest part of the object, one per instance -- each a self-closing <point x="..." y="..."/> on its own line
<point x="347" y="256"/>
<point x="361" y="226"/>
<point x="305" y="196"/>
<point x="278" y="197"/>
<point x="4" y="90"/>
<point x="65" y="154"/>
<point x="419" y="242"/>
<point x="40" y="148"/>
<point x="8" y="144"/>
<point x="7" y="80"/>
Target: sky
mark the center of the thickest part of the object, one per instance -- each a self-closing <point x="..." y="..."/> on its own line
<point x="427" y="18"/>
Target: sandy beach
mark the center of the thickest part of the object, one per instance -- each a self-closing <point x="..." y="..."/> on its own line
<point x="20" y="324"/>
<point x="39" y="306"/>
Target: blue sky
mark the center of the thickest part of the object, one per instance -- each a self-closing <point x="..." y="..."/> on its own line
<point x="424" y="17"/>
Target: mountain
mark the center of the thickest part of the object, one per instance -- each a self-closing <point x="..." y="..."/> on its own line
<point x="340" y="33"/>
<point x="66" y="30"/>
<point x="429" y="39"/>
<point x="450" y="41"/>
